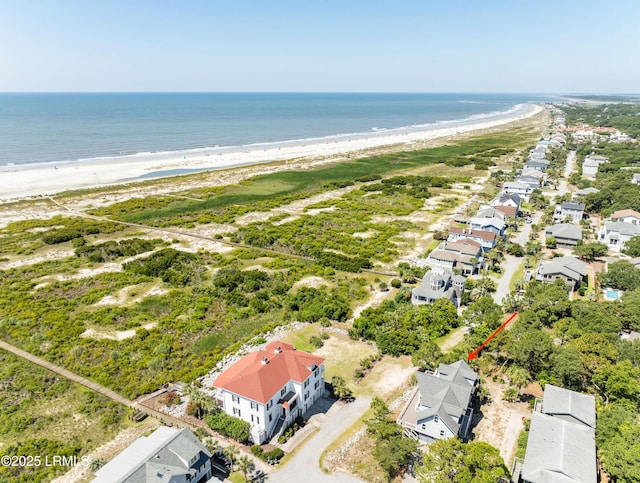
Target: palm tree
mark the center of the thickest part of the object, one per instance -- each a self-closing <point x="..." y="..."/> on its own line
<point x="213" y="445"/>
<point x="231" y="452"/>
<point x="245" y="464"/>
<point x="519" y="377"/>
<point x="199" y="401"/>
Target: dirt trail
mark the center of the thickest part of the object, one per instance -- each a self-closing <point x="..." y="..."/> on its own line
<point x="501" y="421"/>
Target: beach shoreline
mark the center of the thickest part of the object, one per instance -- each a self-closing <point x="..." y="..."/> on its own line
<point x="31" y="181"/>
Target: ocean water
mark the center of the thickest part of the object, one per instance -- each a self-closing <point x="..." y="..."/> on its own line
<point x="54" y="128"/>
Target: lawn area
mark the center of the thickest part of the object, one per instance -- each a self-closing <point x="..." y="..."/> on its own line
<point x="300" y="338"/>
<point x="343" y="355"/>
<point x="452" y="339"/>
<point x="517" y="275"/>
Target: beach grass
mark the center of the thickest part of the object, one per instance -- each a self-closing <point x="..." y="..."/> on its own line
<point x="197" y="325"/>
<point x="267" y="191"/>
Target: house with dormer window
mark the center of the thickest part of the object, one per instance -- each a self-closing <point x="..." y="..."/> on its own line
<point x="441" y="406"/>
<point x="167" y="455"/>
<point x="270" y="388"/>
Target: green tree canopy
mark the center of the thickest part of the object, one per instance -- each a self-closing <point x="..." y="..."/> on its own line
<point x="567" y="368"/>
<point x="451" y="460"/>
<point x="632" y="247"/>
<point x="621" y="275"/>
<point x="392" y="450"/>
<point x="532" y="350"/>
<point x="618" y="381"/>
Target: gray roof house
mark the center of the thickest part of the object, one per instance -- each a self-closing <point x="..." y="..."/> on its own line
<point x="489" y="212"/>
<point x="438" y="284"/>
<point x="537" y="164"/>
<point x="590" y="168"/>
<point x="569" y="269"/>
<point x="532" y="181"/>
<point x="585" y="192"/>
<point x="615" y="234"/>
<point x="559" y="451"/>
<point x="561" y="445"/>
<point x="566" y="234"/>
<point x="440" y="407"/>
<point x="494" y="224"/>
<point x="569" y="405"/>
<point x="570" y="209"/>
<point x="506" y="199"/>
<point x="535" y="173"/>
<point x="596" y="158"/>
<point x="167" y="455"/>
<point x="591" y="164"/>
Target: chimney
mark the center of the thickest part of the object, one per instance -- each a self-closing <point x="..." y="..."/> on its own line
<point x="264" y="361"/>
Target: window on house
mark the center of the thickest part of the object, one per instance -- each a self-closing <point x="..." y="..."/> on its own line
<point x="315" y="386"/>
<point x="306" y="383"/>
<point x="442" y="432"/>
<point x="306" y="396"/>
<point x="284" y="389"/>
<point x="424" y="426"/>
<point x="252" y="418"/>
<point x="436" y="418"/>
<point x="257" y="420"/>
<point x="315" y="373"/>
<point x="235" y="399"/>
<point x="236" y="412"/>
<point x="269" y="404"/>
<point x="270" y="417"/>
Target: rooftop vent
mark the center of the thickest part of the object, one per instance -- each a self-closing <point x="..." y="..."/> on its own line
<point x="278" y="350"/>
<point x="264" y="361"/>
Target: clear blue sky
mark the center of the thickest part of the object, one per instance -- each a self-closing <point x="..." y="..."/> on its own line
<point x="561" y="46"/>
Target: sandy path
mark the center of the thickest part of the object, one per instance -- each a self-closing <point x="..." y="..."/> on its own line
<point x="501" y="422"/>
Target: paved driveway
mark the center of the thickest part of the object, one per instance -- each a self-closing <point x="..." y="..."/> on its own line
<point x="305" y="466"/>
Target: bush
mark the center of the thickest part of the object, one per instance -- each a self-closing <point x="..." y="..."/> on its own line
<point x="396" y="283"/>
<point x="316" y="341"/>
<point x="172" y="266"/>
<point x="272" y="456"/>
<point x="510" y="394"/>
<point x="234" y="428"/>
<point x="171" y="398"/>
<point x="110" y="250"/>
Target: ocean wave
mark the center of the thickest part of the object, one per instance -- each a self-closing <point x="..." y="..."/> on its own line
<point x="217" y="149"/>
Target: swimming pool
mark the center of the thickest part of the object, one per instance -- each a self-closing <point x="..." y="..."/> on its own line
<point x="612" y="294"/>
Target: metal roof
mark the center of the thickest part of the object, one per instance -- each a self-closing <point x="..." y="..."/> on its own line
<point x="155" y="458"/>
<point x="559" y="451"/>
<point x="563" y="402"/>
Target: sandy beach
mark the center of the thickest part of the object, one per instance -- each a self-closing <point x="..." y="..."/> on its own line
<point x="36" y="180"/>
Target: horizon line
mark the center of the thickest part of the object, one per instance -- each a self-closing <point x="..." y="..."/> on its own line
<point x="324" y="92"/>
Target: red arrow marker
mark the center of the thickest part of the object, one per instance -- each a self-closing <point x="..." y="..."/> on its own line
<point x="474" y="354"/>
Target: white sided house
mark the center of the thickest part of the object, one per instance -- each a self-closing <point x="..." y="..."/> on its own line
<point x="270" y="388"/>
<point x="440" y="407"/>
